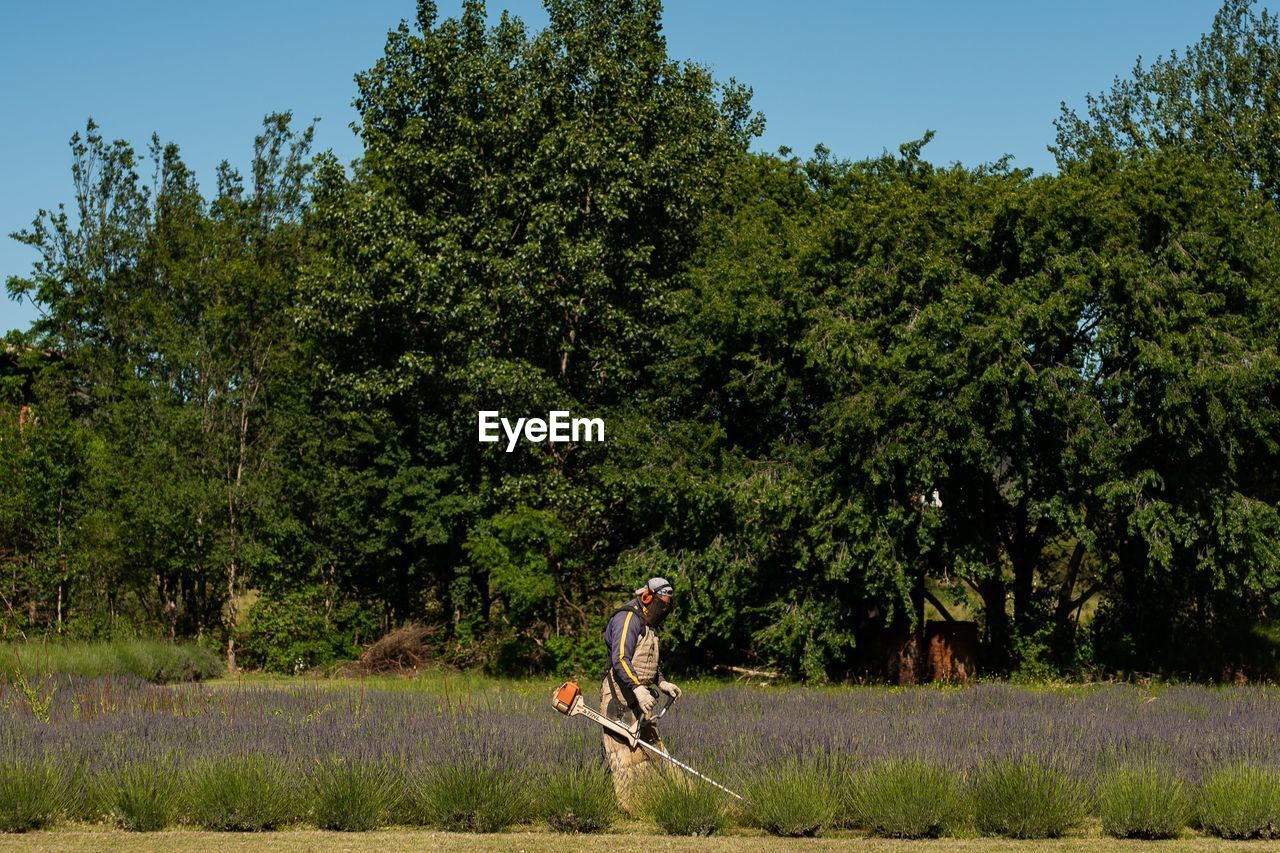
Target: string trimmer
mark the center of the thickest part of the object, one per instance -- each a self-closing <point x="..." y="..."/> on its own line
<point x="567" y="699"/>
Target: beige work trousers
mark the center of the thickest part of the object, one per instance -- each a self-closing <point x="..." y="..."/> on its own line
<point x="631" y="768"/>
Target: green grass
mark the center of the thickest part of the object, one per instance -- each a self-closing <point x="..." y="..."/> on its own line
<point x="578" y="800"/>
<point x="1025" y="799"/>
<point x="680" y="806"/>
<point x="794" y="800"/>
<point x="354" y="796"/>
<point x="250" y="793"/>
<point x="1241" y="801"/>
<point x="32" y="795"/>
<point x="1143" y="802"/>
<point x="143" y="797"/>
<point x="906" y="798"/>
<point x="83" y="793"/>
<point x="153" y="660"/>
<point x="471" y="797"/>
<point x="89" y="840"/>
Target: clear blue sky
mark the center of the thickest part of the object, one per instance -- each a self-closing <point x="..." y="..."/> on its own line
<point x="857" y="75"/>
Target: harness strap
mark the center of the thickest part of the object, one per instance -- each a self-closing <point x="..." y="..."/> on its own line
<point x="627" y="691"/>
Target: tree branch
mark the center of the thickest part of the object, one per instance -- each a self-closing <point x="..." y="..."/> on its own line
<point x="938" y="605"/>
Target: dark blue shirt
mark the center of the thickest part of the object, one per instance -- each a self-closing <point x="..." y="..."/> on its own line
<point x="620" y="637"/>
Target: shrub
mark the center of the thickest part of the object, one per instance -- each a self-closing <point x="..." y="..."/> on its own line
<point x="578" y="800"/>
<point x="31" y="795"/>
<point x="1025" y="799"/>
<point x="682" y="806"/>
<point x="849" y="775"/>
<point x="83" y="792"/>
<point x="1241" y="801"/>
<point x="157" y="661"/>
<point x="249" y="793"/>
<point x="907" y="799"/>
<point x="297" y="631"/>
<point x="795" y="801"/>
<point x="1143" y="802"/>
<point x="354" y="796"/>
<point x="143" y="797"/>
<point x="472" y="797"/>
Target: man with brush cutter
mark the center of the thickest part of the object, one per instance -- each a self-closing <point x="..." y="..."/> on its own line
<point x="626" y="716"/>
<point x="631" y="639"/>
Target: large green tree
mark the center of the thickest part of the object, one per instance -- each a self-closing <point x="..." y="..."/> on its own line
<point x="512" y="239"/>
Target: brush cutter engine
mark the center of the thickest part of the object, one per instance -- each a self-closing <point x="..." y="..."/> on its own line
<point x="568" y="701"/>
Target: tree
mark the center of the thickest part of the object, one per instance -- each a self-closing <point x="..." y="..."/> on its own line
<point x="1219" y="98"/>
<point x="524" y="211"/>
<point x="1185" y="369"/>
<point x="41" y="494"/>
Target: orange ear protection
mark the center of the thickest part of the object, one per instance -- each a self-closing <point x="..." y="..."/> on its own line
<point x="646" y="596"/>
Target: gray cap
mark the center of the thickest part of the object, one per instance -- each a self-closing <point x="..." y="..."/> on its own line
<point x="658" y="586"/>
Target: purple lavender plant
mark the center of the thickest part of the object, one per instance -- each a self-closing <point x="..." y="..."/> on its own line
<point x="96" y="727"/>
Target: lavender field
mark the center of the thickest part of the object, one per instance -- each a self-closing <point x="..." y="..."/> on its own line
<point x="96" y="729"/>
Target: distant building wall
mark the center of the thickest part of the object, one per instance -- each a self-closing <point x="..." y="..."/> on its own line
<point x="943" y="651"/>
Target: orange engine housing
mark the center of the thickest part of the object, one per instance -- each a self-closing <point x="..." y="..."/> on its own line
<point x="563" y="698"/>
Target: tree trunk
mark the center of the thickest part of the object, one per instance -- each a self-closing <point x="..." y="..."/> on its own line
<point x="231" y="618"/>
<point x="994" y="602"/>
<point x="1023" y="560"/>
<point x="233" y="519"/>
<point x="1064" y="626"/>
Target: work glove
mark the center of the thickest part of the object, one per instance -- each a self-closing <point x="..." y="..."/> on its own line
<point x="670" y="689"/>
<point x="644" y="698"/>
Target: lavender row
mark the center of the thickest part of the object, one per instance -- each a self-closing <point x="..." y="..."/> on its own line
<point x="105" y="723"/>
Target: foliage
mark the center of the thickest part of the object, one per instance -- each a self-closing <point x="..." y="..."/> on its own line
<point x="450" y="737"/>
<point x="1241" y="801"/>
<point x="84" y="793"/>
<point x="247" y="793"/>
<point x="166" y="312"/>
<point x="578" y="799"/>
<point x="354" y="796"/>
<point x="536" y="277"/>
<point x="144" y="797"/>
<point x="831" y="388"/>
<point x="1214" y="98"/>
<point x="906" y="798"/>
<point x="1027" y="799"/>
<point x="794" y="800"/>
<point x="683" y="807"/>
<point x="31" y="794"/>
<point x="305" y="629"/>
<point x="470" y="796"/>
<point x="42" y="494"/>
<point x="1143" y="802"/>
<point x="158" y="661"/>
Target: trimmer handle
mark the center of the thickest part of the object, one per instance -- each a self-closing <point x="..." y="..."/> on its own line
<point x="665" y="706"/>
